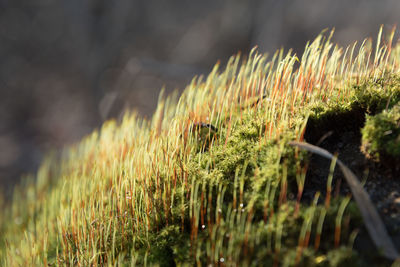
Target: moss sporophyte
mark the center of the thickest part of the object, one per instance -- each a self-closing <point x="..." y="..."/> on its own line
<point x="222" y="174"/>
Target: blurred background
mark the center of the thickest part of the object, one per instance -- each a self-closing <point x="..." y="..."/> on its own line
<point x="68" y="65"/>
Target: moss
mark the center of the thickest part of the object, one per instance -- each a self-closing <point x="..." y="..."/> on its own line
<point x="169" y="247"/>
<point x="262" y="167"/>
<point x="381" y="136"/>
<point x="368" y="98"/>
<point x="151" y="194"/>
<point x="342" y="256"/>
<point x="377" y="95"/>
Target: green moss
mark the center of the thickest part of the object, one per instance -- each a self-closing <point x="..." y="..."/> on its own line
<point x="151" y="194"/>
<point x="381" y="135"/>
<point x="342" y="256"/>
<point x="253" y="173"/>
<point x="368" y="98"/>
<point x="376" y="95"/>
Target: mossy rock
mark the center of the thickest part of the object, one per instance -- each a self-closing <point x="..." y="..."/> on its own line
<point x="211" y="179"/>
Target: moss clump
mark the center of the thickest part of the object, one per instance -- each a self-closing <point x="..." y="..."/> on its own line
<point x="377" y="95"/>
<point x="381" y="136"/>
<point x="179" y="191"/>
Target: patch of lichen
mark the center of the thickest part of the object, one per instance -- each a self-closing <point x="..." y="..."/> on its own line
<point x="381" y="136"/>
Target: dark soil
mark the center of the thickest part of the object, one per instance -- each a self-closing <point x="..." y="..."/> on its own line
<point x="382" y="182"/>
